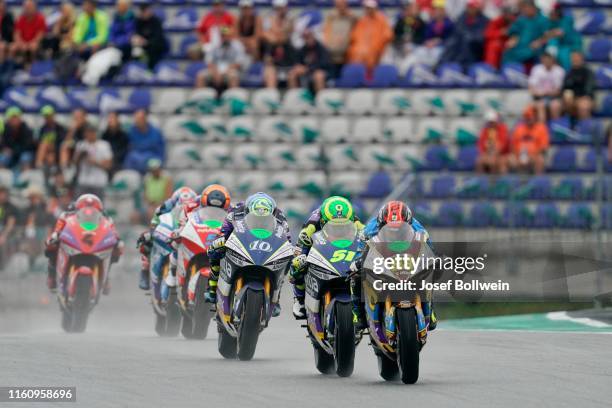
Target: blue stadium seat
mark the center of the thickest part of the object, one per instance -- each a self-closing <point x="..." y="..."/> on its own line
<point x="569" y="188"/>
<point x="169" y="73"/>
<point x="352" y="76"/>
<point x="442" y="187"/>
<point x="560" y="130"/>
<point x="84" y="98"/>
<point x="599" y="50"/>
<point x="140" y="99"/>
<point x="55" y="96"/>
<point x="184" y="19"/>
<point x="579" y="215"/>
<point x="536" y="188"/>
<point x="419" y="75"/>
<point x="111" y="100"/>
<point x="516" y="215"/>
<point x="503" y="187"/>
<point x="589" y="163"/>
<point x="563" y="159"/>
<point x="134" y="73"/>
<point x="483" y="214"/>
<point x="21" y="97"/>
<point x="606" y="216"/>
<point x="385" y="76"/>
<point x="605" y="107"/>
<point x="466" y="159"/>
<point x="603" y="77"/>
<point x="451" y="75"/>
<point x="473" y="187"/>
<point x="588" y="130"/>
<point x="591" y="22"/>
<point x="41" y="72"/>
<point x="186" y="42"/>
<point x="379" y="185"/>
<point x="450" y="214"/>
<point x="311" y="17"/>
<point x="483" y="76"/>
<point x="193" y="69"/>
<point x="546" y="215"/>
<point x="515" y="75"/>
<point x="253" y="77"/>
<point x="436" y="158"/>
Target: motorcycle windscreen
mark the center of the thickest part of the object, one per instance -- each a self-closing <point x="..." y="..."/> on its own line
<point x="212" y="217"/>
<point x="89" y="218"/>
<point x="261" y="226"/>
<point x="340" y="233"/>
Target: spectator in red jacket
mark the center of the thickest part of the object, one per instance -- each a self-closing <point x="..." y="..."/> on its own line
<point x="496" y="36"/>
<point x="493" y="145"/>
<point x="214" y="19"/>
<point x="30" y="28"/>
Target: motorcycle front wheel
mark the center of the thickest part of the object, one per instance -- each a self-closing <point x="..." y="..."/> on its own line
<point x="407" y="345"/>
<point x="202" y="313"/>
<point x="248" y="333"/>
<point x="226" y="344"/>
<point x="344" y="340"/>
<point x="74" y="318"/>
<point x="323" y="361"/>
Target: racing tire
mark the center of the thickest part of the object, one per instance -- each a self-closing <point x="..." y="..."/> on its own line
<point x="324" y="361"/>
<point x="226" y="344"/>
<point x="187" y="326"/>
<point x="80" y="304"/>
<point x="344" y="339"/>
<point x="387" y="368"/>
<point x="173" y="315"/>
<point x="250" y="324"/>
<point x="160" y="325"/>
<point x="202" y="315"/>
<point x="407" y="345"/>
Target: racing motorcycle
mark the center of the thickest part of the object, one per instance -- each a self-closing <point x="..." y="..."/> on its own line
<point x="164" y="296"/>
<point x="396" y="320"/>
<point x="85" y="250"/>
<point x="193" y="270"/>
<point x="328" y="299"/>
<point x="257" y="258"/>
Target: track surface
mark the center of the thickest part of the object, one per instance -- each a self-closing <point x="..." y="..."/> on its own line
<point x="120" y="362"/>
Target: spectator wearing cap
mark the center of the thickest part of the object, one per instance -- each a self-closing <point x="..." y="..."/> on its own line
<point x="493" y="145"/>
<point x="279" y="54"/>
<point x="578" y="89"/>
<point x="545" y="83"/>
<point x="149" y="41"/>
<point x="212" y="21"/>
<point x="249" y="28"/>
<point x="93" y="159"/>
<point x="529" y="143"/>
<point x="90" y="32"/>
<point x="75" y="133"/>
<point x="526" y="35"/>
<point x="562" y="35"/>
<point x="369" y="36"/>
<point x="122" y="28"/>
<point x="8" y="222"/>
<point x="30" y="29"/>
<point x="337" y="28"/>
<point x="17" y="139"/>
<point x="59" y="38"/>
<point x="466" y="43"/>
<point x="437" y="31"/>
<point x="312" y="64"/>
<point x="37" y="222"/>
<point x="496" y="36"/>
<point x="50" y="138"/>
<point x="225" y="63"/>
<point x="118" y="140"/>
<point x="157" y="186"/>
<point x="7" y="27"/>
<point x="146" y="142"/>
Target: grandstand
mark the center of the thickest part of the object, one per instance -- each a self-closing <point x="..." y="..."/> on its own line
<point x="360" y="138"/>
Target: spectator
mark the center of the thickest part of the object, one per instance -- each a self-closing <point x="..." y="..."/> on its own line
<point x="60" y="37"/>
<point x="76" y="133"/>
<point x="493" y="145"/>
<point x="157" y="186"/>
<point x="17" y="139"/>
<point x="562" y="35"/>
<point x="50" y="138"/>
<point x="6" y="28"/>
<point x="249" y="28"/>
<point x="59" y="192"/>
<point x="30" y="29"/>
<point x="466" y="43"/>
<point x="370" y="36"/>
<point x="337" y="29"/>
<point x="579" y="88"/>
<point x="225" y="63"/>
<point x="312" y="64"/>
<point x="8" y="221"/>
<point x="545" y="82"/>
<point x="93" y="158"/>
<point x="496" y="36"/>
<point x="409" y="32"/>
<point x="529" y="143"/>
<point x="91" y="29"/>
<point x="216" y="18"/>
<point x="7" y="70"/>
<point x="146" y="142"/>
<point x="122" y="29"/>
<point x="118" y="140"/>
<point x="37" y="222"/>
<point x="526" y="35"/>
<point x="149" y="41"/>
<point x="279" y="54"/>
<point x="437" y="31"/>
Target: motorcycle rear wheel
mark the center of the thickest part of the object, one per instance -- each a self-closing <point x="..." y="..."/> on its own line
<point x="226" y="344"/>
<point x="344" y="340"/>
<point x="160" y="325"/>
<point x="248" y="333"/>
<point x="407" y="345"/>
<point x="187" y="326"/>
<point x="173" y="315"/>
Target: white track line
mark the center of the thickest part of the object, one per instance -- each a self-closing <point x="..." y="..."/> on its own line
<point x="580" y="320"/>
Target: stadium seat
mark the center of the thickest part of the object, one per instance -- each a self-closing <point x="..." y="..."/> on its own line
<point x="360" y="101"/>
<point x="394" y="102"/>
<point x="458" y="102"/>
<point x="450" y="214"/>
<point x="134" y="73"/>
<point x="126" y="182"/>
<point x="280" y="156"/>
<point x="297" y="102"/>
<point x="437" y="157"/>
<point x="335" y="130"/>
<point x="464" y="131"/>
<point x="330" y="101"/>
<point x="441" y="187"/>
<point x="503" y="187"/>
<point x="310" y="157"/>
<point x="603" y="76"/>
<point x="248" y="156"/>
<point x="579" y="215"/>
<point x="282" y="184"/>
<point x="426" y="102"/>
<point x="216" y="155"/>
<point x="379" y="185"/>
<point x="516" y="215"/>
<point x="201" y="100"/>
<point x="563" y="159"/>
<point x="21" y="97"/>
<point x="347" y="184"/>
<point x="266" y="101"/>
<point x="384" y="76"/>
<point x="235" y="101"/>
<point x="112" y="100"/>
<point x="253" y="77"/>
<point x="569" y="188"/>
<point x="274" y="129"/>
<point x="214" y="127"/>
<point x="515" y="75"/>
<point x="407" y="157"/>
<point x="6" y="178"/>
<point x="419" y="75"/>
<point x="375" y="157"/>
<point x="365" y="130"/>
<point x="484" y="75"/>
<point x="352" y="76"/>
<point x="515" y="102"/>
<point x="599" y="50"/>
<point x="184" y="156"/>
<point x="139" y="99"/>
<point x="431" y="130"/>
<point x="590" y="22"/>
<point x="241" y="127"/>
<point x="312" y="183"/>
<point x="168" y="100"/>
<point x="224" y="177"/>
<point x="486" y="99"/>
<point x="465" y="160"/>
<point x="482" y="215"/>
<point x="538" y="188"/>
<point x="305" y="129"/>
<point x="169" y="73"/>
<point x="473" y="187"/>
<point x="343" y="157"/>
<point x="451" y="75"/>
<point x="400" y="130"/>
<point x="54" y="96"/>
<point x="546" y="215"/>
<point x="185" y="19"/>
<point x="191" y="178"/>
<point x="193" y="69"/>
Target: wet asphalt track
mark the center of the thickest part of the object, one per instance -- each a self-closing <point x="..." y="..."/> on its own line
<point x="120" y="362"/>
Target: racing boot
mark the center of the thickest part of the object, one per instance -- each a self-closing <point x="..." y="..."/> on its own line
<point x="430" y="316"/>
<point x="299" y="310"/>
<point x="276" y="309"/>
<point x="211" y="293"/>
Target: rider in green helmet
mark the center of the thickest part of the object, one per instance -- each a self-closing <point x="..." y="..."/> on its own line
<point x="334" y="207"/>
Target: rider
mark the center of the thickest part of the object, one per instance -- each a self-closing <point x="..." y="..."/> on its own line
<point x="259" y="202"/>
<point x="333" y="207"/>
<point x="52" y="244"/>
<point x="181" y="196"/>
<point x="393" y="211"/>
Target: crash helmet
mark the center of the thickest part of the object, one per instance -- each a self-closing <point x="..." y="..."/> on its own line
<point x="336" y="207"/>
<point x="183" y="195"/>
<point x="394" y="212"/>
<point x="88" y="201"/>
<point x="260" y="204"/>
<point x="215" y="195"/>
